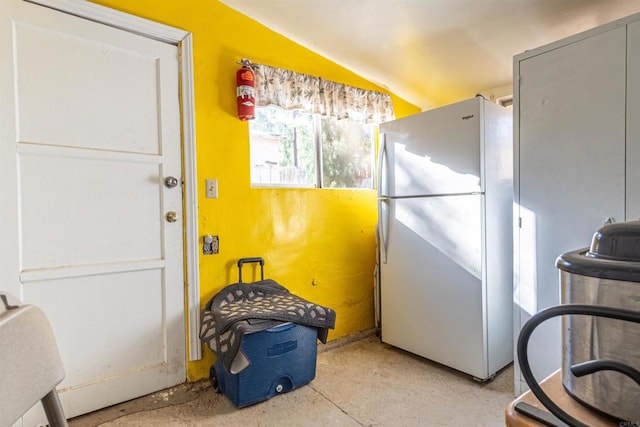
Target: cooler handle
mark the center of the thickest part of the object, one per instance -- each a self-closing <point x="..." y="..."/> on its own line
<point x="243" y="261"/>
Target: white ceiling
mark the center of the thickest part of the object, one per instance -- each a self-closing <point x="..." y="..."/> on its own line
<point x="431" y="52"/>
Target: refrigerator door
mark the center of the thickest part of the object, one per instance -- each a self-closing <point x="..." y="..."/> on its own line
<point x="431" y="284"/>
<point x="435" y="152"/>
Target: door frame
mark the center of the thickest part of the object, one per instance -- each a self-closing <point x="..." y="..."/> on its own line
<point x="183" y="40"/>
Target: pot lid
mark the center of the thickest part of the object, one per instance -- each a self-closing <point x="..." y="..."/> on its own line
<point x="614" y="254"/>
<point x="619" y="241"/>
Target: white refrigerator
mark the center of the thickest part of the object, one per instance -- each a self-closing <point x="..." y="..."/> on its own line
<point x="445" y="184"/>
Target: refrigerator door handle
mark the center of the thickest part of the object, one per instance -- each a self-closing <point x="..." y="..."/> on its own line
<point x="383" y="227"/>
<point x="381" y="156"/>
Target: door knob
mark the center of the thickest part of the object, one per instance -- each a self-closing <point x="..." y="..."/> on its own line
<point x="171" y="216"/>
<point x="170" y="181"/>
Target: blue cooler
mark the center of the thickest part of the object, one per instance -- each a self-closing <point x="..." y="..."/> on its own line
<point x="281" y="359"/>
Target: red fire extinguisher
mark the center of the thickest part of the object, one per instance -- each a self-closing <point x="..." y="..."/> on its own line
<point x="245" y="87"/>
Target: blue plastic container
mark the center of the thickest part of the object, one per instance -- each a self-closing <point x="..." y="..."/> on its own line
<point x="281" y="359"/>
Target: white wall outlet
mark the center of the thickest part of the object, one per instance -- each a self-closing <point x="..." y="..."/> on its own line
<point x="211" y="188"/>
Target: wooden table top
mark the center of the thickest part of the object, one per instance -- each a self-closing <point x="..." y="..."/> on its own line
<point x="552" y="386"/>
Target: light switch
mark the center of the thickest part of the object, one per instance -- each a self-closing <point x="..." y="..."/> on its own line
<point x="211" y="188"/>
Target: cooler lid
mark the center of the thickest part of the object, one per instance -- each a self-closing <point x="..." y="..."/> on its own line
<point x="614" y="254"/>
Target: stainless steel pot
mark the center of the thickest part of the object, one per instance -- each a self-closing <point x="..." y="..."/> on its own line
<point x="608" y="275"/>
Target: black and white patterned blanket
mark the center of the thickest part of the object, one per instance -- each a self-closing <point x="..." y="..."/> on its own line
<point x="244" y="308"/>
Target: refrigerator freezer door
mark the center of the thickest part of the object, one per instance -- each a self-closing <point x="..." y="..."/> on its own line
<point x="431" y="285"/>
<point x="435" y="152"/>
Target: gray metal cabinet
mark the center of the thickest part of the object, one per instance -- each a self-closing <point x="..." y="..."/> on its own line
<point x="633" y="121"/>
<point x="576" y="147"/>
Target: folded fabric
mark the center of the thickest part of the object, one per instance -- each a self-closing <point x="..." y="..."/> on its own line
<point x="244" y="308"/>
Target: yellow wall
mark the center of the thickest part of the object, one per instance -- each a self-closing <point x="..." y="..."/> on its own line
<point x="319" y="243"/>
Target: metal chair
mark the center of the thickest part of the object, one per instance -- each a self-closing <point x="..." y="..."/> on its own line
<point x="30" y="364"/>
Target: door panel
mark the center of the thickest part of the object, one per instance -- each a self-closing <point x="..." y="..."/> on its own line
<point x="77" y="68"/>
<point x="633" y="124"/>
<point x="431" y="282"/>
<point x="84" y="152"/>
<point x="435" y="152"/>
<point x="105" y="178"/>
<point x="138" y="315"/>
<point x="571" y="170"/>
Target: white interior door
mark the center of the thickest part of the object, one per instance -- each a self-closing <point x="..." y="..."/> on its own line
<point x="89" y="130"/>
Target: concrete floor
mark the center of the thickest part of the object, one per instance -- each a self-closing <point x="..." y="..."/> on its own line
<point x="358" y="383"/>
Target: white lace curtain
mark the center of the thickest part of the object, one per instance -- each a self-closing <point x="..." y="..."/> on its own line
<point x="291" y="90"/>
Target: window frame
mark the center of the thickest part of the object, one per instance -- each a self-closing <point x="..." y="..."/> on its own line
<point x="316" y="137"/>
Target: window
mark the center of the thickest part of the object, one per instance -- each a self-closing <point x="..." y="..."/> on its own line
<point x="312" y="132"/>
<point x="291" y="148"/>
